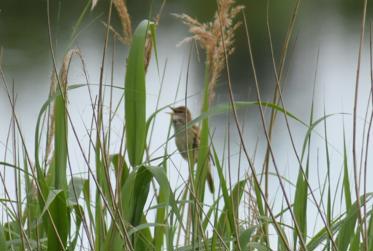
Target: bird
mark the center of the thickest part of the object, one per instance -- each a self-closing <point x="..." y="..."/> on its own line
<point x="188" y="141"/>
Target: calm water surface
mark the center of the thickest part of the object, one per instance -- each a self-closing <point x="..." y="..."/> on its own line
<point x="325" y="30"/>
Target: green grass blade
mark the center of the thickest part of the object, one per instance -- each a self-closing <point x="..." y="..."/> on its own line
<point x="59" y="217"/>
<point x="355" y="242"/>
<point x="60" y="140"/>
<point x="135" y="97"/>
<point x="246" y="235"/>
<point x="3" y="244"/>
<point x="78" y="222"/>
<point x="203" y="152"/>
<point x="300" y="206"/>
<point x="348" y="229"/>
<point x="225" y="222"/>
<point x="166" y="193"/>
<point x="76" y="186"/>
<point x="143" y="238"/>
<point x="120" y="167"/>
<point x="160" y="230"/>
<point x="346" y="180"/>
<point x="228" y="207"/>
<point x="141" y="192"/>
<point x="370" y="232"/>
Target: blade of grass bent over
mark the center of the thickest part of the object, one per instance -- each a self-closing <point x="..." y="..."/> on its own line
<point x="135" y="96"/>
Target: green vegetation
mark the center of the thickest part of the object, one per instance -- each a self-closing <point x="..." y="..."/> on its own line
<point x="127" y="203"/>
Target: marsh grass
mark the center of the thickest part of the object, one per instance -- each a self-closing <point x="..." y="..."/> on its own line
<point x="126" y="202"/>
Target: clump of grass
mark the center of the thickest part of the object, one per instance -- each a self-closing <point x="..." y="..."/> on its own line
<point x="217" y="39"/>
<point x="58" y="212"/>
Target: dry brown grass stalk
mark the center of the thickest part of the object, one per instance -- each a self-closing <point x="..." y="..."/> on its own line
<point x="213" y="36"/>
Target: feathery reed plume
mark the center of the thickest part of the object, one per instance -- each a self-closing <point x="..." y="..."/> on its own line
<point x="125" y="20"/>
<point x="52" y="92"/>
<point x="213" y="36"/>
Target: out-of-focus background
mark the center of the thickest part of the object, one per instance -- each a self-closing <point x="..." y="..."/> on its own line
<point x="322" y="55"/>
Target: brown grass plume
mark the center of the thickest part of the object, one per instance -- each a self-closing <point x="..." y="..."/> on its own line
<point x="125" y="20"/>
<point x="214" y="36"/>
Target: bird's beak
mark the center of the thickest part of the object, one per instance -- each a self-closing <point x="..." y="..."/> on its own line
<point x="173" y="111"/>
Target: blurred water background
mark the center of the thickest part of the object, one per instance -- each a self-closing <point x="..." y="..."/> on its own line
<point x="330" y="29"/>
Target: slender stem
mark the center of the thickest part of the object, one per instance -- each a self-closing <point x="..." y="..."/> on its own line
<point x="354" y="135"/>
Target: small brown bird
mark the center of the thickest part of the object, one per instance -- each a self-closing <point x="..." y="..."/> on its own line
<point x="189" y="139"/>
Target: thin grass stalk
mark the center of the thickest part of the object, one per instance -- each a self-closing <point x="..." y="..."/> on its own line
<point x="40" y="190"/>
<point x="100" y="192"/>
<point x="365" y="178"/>
<point x="309" y="138"/>
<point x="354" y="134"/>
<point x="363" y="155"/>
<point x="368" y="134"/>
<point x="192" y="212"/>
<point x="33" y="172"/>
<point x="118" y="225"/>
<point x="101" y="151"/>
<point x="17" y="182"/>
<point x="371" y="59"/>
<point x="3" y="173"/>
<point x="203" y="154"/>
<point x="301" y="168"/>
<point x="293" y="144"/>
<point x="61" y="155"/>
<point x="89" y="132"/>
<point x="266" y="158"/>
<point x="165" y="153"/>
<point x="192" y="206"/>
<point x="235" y="229"/>
<point x="251" y="165"/>
<point x="53" y="57"/>
<point x="297" y="229"/>
<point x="161" y="212"/>
<point x="209" y="36"/>
<point x="329" y="215"/>
<point x="97" y="180"/>
<point x="156" y="107"/>
<point x="100" y="144"/>
<point x="279" y="78"/>
<point x="3" y="177"/>
<point x="214" y="241"/>
<point x="200" y="207"/>
<point x="64" y="75"/>
<point x="110" y="118"/>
